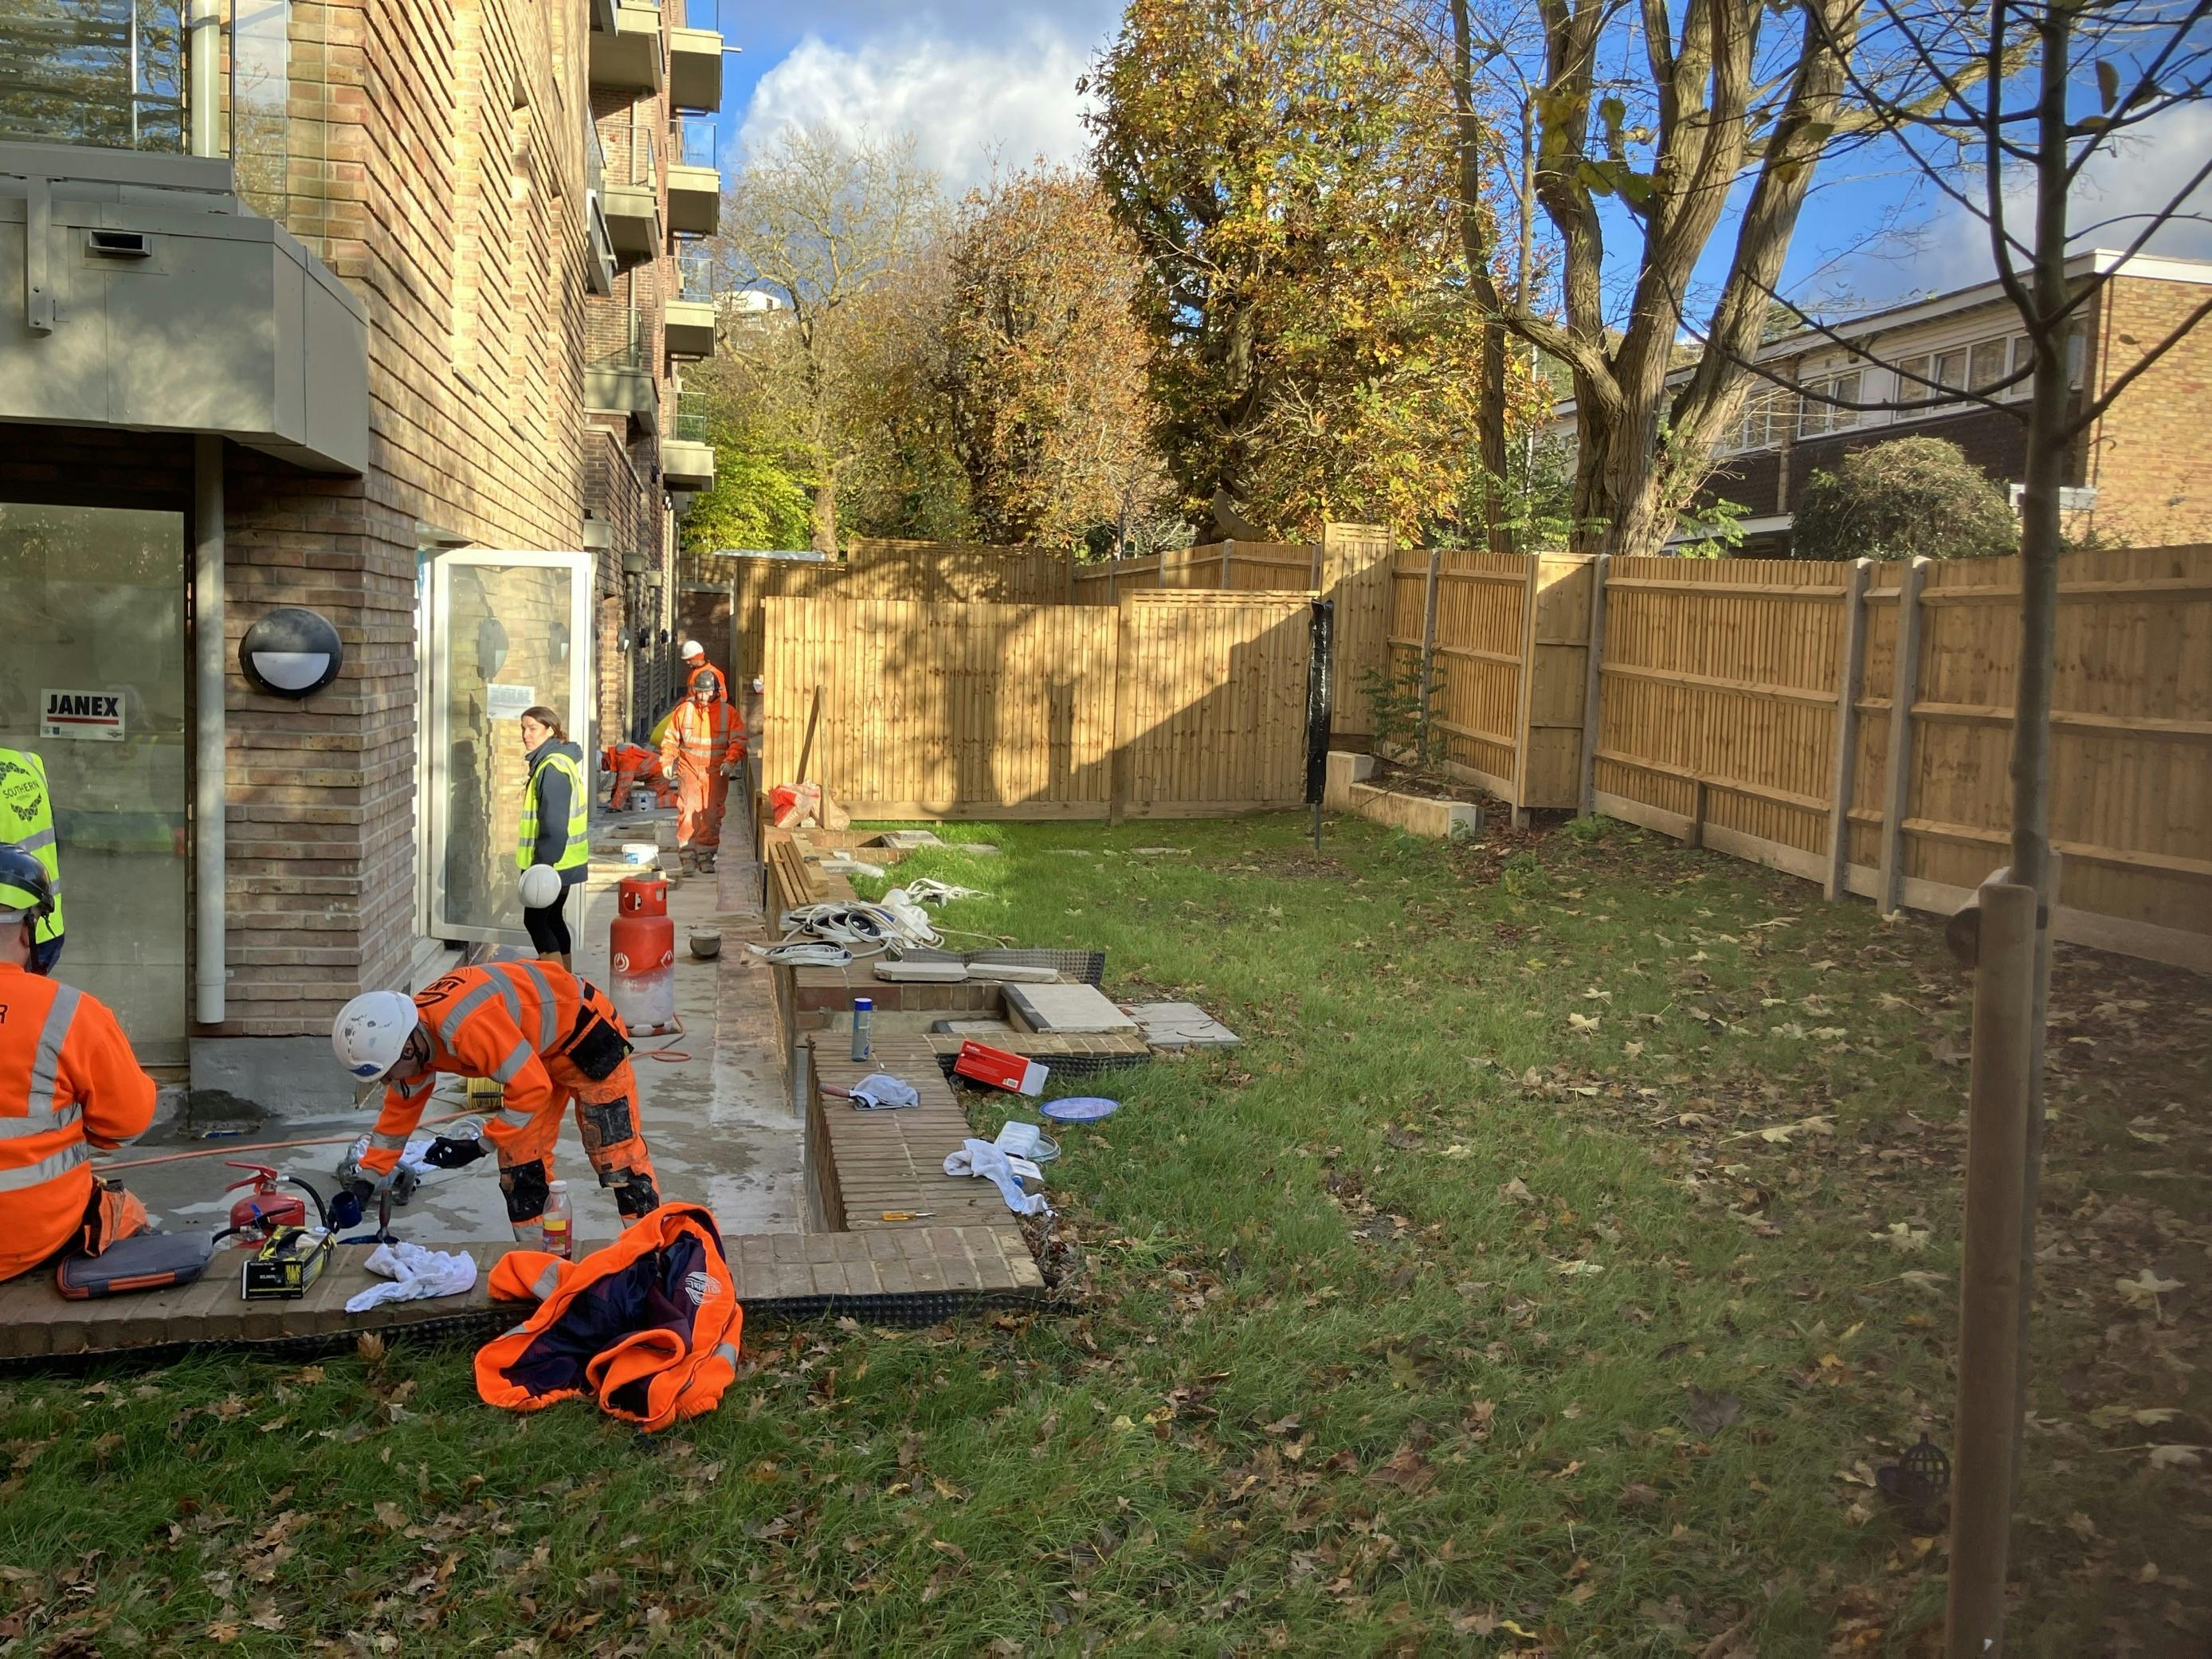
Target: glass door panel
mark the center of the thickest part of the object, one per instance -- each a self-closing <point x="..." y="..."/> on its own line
<point x="510" y="631"/>
<point x="95" y="599"/>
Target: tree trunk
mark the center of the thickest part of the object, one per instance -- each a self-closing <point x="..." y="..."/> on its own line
<point x="1475" y="245"/>
<point x="825" y="516"/>
<point x="2040" y="541"/>
<point x="1619" y="488"/>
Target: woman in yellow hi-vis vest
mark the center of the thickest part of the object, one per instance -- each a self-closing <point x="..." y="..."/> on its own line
<point x="26" y="820"/>
<point x="556" y="831"/>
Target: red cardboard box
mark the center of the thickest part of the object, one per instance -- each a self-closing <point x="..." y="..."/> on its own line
<point x="1000" y="1070"/>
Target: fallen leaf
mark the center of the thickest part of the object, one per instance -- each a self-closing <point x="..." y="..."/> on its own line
<point x="2175" y="1457"/>
<point x="2144" y="1290"/>
<point x="1902" y="1236"/>
<point x="1708" y="1414"/>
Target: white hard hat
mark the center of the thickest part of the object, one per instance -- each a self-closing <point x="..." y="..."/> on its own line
<point x="693" y="649"/>
<point x="759" y="684"/>
<point x="541" y="885"/>
<point x="371" y="1031"/>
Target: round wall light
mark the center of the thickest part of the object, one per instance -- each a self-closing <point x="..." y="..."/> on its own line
<point x="291" y="653"/>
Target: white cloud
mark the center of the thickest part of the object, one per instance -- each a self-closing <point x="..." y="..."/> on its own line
<point x="964" y="101"/>
<point x="2141" y="174"/>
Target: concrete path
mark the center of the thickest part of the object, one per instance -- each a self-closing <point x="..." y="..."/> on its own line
<point x="720" y="1122"/>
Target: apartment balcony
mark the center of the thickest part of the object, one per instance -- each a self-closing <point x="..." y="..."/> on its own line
<point x="688" y="321"/>
<point x="631" y="195"/>
<point x="687" y="458"/>
<point x="152" y="296"/>
<point x="599" y="236"/>
<point x="694" y="185"/>
<point x="619" y="376"/>
<point x="694" y="69"/>
<point x="626" y="48"/>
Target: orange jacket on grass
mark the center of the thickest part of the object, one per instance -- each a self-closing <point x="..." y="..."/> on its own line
<point x="68" y="1083"/>
<point x="505" y="1021"/>
<point x="648" y="1325"/>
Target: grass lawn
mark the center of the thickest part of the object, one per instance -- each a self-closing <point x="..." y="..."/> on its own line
<point x="1573" y="1236"/>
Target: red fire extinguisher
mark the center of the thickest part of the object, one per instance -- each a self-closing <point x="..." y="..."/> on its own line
<point x="263" y="1209"/>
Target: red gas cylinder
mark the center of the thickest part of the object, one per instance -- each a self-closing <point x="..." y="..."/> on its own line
<point x="643" y="895"/>
<point x="641" y="949"/>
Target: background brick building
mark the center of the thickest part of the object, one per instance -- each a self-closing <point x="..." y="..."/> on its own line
<point x="376" y="369"/>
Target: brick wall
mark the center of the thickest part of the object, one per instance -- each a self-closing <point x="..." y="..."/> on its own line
<point x="439" y="169"/>
<point x="2149" y="458"/>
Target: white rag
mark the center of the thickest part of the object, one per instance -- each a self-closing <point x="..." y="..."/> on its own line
<point x="414" y="1273"/>
<point x="880" y="1091"/>
<point x="981" y="1157"/>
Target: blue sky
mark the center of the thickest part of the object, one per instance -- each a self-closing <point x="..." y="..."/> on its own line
<point x="997" y="77"/>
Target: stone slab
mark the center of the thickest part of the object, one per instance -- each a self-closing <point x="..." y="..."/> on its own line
<point x="1057" y="1009"/>
<point x="906" y="840"/>
<point x="1182" y="1025"/>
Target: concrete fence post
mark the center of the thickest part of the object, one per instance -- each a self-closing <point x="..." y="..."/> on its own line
<point x="1905" y="680"/>
<point x="1593" y="686"/>
<point x="1850" y="676"/>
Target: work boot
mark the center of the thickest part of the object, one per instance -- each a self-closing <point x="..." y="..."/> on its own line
<point x="683" y="862"/>
<point x="705" y="864"/>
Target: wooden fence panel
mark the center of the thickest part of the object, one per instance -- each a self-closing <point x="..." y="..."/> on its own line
<point x="1482" y="606"/>
<point x="1213" y="692"/>
<point x="1356" y="573"/>
<point x="979" y="710"/>
<point x="1718" y="702"/>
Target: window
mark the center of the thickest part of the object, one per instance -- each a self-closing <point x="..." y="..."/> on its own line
<point x="1766" y="420"/>
<point x="1819" y="416"/>
<point x="1977" y="368"/>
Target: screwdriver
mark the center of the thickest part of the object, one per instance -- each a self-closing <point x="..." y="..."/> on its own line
<point x="907" y="1215"/>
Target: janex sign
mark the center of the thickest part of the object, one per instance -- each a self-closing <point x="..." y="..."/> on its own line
<point x="96" y="714"/>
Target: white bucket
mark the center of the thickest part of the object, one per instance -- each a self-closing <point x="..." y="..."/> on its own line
<point x="640" y="852"/>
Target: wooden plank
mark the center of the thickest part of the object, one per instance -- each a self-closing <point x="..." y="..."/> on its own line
<point x="1903" y="678"/>
<point x="1757" y="590"/>
<point x="1593" y="689"/>
<point x="1716" y="683"/>
<point x="1852" y="674"/>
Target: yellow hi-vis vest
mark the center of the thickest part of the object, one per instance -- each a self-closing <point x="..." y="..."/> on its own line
<point x="578" y="850"/>
<point x="26" y="820"/>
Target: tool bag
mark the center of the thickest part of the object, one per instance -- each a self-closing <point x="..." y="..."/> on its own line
<point x="149" y="1261"/>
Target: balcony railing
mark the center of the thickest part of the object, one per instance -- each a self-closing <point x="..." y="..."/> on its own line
<point x="626" y="347"/>
<point x="595" y="158"/>
<point x="693" y="425"/>
<point x="694" y="268"/>
<point x="118" y="75"/>
<point x="691" y="142"/>
<point x="630" y="154"/>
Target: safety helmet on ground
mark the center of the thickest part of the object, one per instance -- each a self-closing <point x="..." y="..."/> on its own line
<point x="371" y="1032"/>
<point x="27" y="893"/>
<point x="541" y="886"/>
<point x="693" y="649"/>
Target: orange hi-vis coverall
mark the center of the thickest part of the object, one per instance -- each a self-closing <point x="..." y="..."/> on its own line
<point x="68" y="1083"/>
<point x="634" y="767"/>
<point x="701" y="739"/>
<point x="548" y="1037"/>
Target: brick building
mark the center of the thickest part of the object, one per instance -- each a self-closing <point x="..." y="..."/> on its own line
<point x="2143" y="474"/>
<point x="308" y="308"/>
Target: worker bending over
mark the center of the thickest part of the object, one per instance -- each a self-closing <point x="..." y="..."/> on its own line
<point x="68" y="1083"/>
<point x="547" y="1037"/>
<point x="703" y="746"/>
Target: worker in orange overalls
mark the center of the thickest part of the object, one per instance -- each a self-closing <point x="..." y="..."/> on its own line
<point x="68" y="1083"/>
<point x="634" y="767"/>
<point x="547" y="1037"/>
<point x="703" y="748"/>
<point x="699" y="672"/>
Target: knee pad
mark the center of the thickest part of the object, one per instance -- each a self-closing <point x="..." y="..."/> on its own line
<point x="636" y="1197"/>
<point x="524" y="1188"/>
<point x="609" y="1121"/>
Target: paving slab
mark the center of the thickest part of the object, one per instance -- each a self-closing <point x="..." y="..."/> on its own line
<point x="1181" y="1025"/>
<point x="1065" y="1010"/>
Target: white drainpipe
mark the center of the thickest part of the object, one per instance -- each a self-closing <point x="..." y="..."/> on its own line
<point x="205" y="93"/>
<point x="209" y="651"/>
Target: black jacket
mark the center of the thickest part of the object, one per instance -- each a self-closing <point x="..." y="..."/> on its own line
<point x="553" y="808"/>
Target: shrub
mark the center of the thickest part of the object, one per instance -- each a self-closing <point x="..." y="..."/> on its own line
<point x="1911" y="496"/>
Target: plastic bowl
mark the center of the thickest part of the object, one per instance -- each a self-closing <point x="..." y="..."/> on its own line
<point x="1081" y="1108"/>
<point x="705" y="946"/>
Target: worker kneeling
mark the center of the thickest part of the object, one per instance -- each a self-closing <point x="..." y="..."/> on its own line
<point x="547" y="1037"/>
<point x="68" y="1083"/>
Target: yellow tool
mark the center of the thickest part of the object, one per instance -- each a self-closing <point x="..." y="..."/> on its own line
<point x="907" y="1215"/>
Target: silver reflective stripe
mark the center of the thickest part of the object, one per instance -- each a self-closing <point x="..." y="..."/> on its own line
<point x="517" y="1058"/>
<point x="46" y="1060"/>
<point x="548" y="1019"/>
<point x="37" y="840"/>
<point x="547" y="1283"/>
<point x="726" y="1351"/>
<point x="515" y="1118"/>
<point x="16" y="1128"/>
<point x="388" y="1143"/>
<point x="45" y="1169"/>
<point x="460" y="1010"/>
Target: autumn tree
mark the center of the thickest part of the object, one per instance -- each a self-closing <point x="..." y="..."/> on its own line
<point x="825" y="226"/>
<point x="1313" y="352"/>
<point x="1042" y="368"/>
